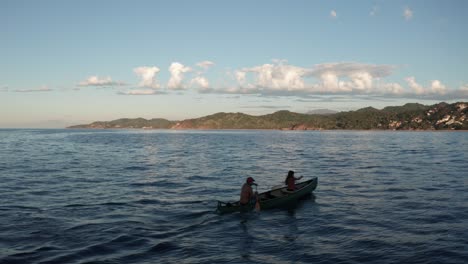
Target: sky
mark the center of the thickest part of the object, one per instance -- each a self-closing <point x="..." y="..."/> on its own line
<point x="74" y="62"/>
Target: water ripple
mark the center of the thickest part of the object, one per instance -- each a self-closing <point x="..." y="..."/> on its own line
<point x="116" y="196"/>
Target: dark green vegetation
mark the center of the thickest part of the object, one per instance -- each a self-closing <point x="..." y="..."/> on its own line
<point x="441" y="116"/>
<point x="155" y="123"/>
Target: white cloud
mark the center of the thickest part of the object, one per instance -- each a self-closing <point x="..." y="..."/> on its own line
<point x="201" y="82"/>
<point x="392" y="88"/>
<point x="96" y="81"/>
<point x="205" y="64"/>
<point x="437" y="87"/>
<point x="333" y="14"/>
<point x="42" y="89"/>
<point x="416" y="87"/>
<point x="408" y="13"/>
<point x="374" y="11"/>
<point x="464" y="88"/>
<point x="148" y="76"/>
<point x="360" y="81"/>
<point x="348" y="76"/>
<point x="177" y="71"/>
<point x="330" y="82"/>
<point x="140" y="92"/>
<point x="349" y="68"/>
<point x="275" y="76"/>
<point x="282" y="78"/>
<point x="240" y="77"/>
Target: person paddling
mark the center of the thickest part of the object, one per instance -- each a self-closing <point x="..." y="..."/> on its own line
<point x="291" y="181"/>
<point x="247" y="195"/>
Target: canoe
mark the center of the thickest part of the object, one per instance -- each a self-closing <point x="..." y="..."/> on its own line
<point x="271" y="199"/>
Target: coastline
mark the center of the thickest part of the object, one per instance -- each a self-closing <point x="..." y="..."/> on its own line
<point x="409" y="117"/>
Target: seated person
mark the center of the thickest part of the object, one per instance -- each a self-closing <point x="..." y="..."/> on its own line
<point x="247" y="195"/>
<point x="291" y="181"/>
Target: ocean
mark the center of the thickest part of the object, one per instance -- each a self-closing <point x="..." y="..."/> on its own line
<point x="149" y="196"/>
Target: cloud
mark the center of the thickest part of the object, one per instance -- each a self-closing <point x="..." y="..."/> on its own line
<point x="201" y="82"/>
<point x="408" y="13"/>
<point x="341" y="78"/>
<point x="333" y="14"/>
<point x="349" y="68"/>
<point x="330" y="82"/>
<point x="205" y="64"/>
<point x="345" y="76"/>
<point x="392" y="88"/>
<point x="266" y="107"/>
<point x="140" y="92"/>
<point x="95" y="81"/>
<point x="416" y="87"/>
<point x="281" y="78"/>
<point x="361" y="81"/>
<point x="4" y="89"/>
<point x="437" y="87"/>
<point x="278" y="76"/>
<point x="374" y="11"/>
<point x="148" y="76"/>
<point x="42" y="89"/>
<point x="177" y="71"/>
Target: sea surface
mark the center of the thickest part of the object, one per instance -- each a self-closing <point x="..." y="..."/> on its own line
<point x="149" y="196"/>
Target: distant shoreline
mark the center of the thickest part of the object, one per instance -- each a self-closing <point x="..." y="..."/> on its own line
<point x="409" y="117"/>
<point x="260" y="129"/>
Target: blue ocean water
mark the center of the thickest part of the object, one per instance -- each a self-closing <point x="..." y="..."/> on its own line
<point x="149" y="196"/>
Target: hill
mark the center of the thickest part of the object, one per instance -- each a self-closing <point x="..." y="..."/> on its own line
<point x="440" y="116"/>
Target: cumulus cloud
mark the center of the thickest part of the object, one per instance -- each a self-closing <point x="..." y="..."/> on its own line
<point x="348" y="76"/>
<point x="329" y="82"/>
<point x="359" y="81"/>
<point x="392" y="88"/>
<point x="148" y="76"/>
<point x="279" y="76"/>
<point x="437" y="87"/>
<point x="205" y="64"/>
<point x="333" y="14"/>
<point x="240" y="77"/>
<point x="416" y="87"/>
<point x="96" y="81"/>
<point x="408" y="13"/>
<point x="177" y="71"/>
<point x="349" y="68"/>
<point x="282" y="79"/>
<point x="200" y="82"/>
<point x="42" y="89"/>
<point x="140" y="92"/>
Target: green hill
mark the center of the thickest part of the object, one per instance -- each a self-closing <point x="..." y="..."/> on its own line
<point x="440" y="116"/>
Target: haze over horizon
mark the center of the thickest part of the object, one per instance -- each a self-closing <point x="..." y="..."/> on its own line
<point x="67" y="63"/>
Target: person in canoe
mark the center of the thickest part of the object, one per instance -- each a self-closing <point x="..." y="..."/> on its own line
<point x="291" y="181"/>
<point x="247" y="195"/>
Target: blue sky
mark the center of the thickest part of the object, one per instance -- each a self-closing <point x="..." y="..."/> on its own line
<point x="70" y="62"/>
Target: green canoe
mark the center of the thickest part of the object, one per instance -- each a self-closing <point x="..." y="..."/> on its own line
<point x="273" y="198"/>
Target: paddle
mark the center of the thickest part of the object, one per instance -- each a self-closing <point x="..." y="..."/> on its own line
<point x="257" y="203"/>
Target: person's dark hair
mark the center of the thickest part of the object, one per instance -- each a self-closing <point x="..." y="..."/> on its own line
<point x="290" y="174"/>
